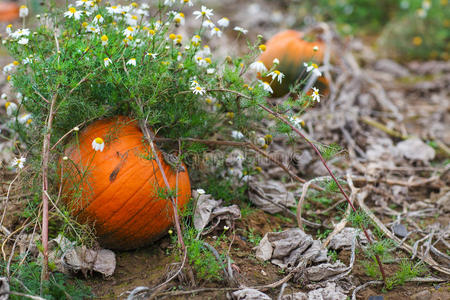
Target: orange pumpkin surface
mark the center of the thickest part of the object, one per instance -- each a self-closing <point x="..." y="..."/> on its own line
<point x="292" y="51"/>
<point x="116" y="190"/>
<point x="9" y="11"/>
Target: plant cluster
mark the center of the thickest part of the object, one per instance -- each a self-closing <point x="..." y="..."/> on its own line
<point x="410" y="29"/>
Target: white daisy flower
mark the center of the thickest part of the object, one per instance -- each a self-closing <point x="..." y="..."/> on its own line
<point x="19" y="162"/>
<point x="153" y="55"/>
<point x="316" y="48"/>
<point x="132" y="20"/>
<point x="84" y="3"/>
<point x="104" y="40"/>
<point x="11" y="107"/>
<point x="210" y="71"/>
<point x="4" y="96"/>
<point x="179" y="19"/>
<point x="114" y="10"/>
<point x="132" y="61"/>
<point x="142" y="12"/>
<point x="198" y="90"/>
<point x="296" y="121"/>
<point x="98" y="144"/>
<point x="19" y="96"/>
<point x="260" y="141"/>
<point x="276" y="75"/>
<point x="9" y="29"/>
<point x="8" y="68"/>
<point x="315" y="94"/>
<point x="258" y="66"/>
<point x="73" y="13"/>
<point x="206" y="50"/>
<point x="201" y="191"/>
<point x="24" y="118"/>
<point x="216" y="31"/>
<point x="205" y="12"/>
<point x="27" y="60"/>
<point x="314" y="68"/>
<point x="276" y="61"/>
<point x="196" y="39"/>
<point x="107" y="61"/>
<point x="224" y="22"/>
<point x="240" y="29"/>
<point x="23" y="41"/>
<point x="20" y="32"/>
<point x="237" y="135"/>
<point x="129" y="31"/>
<point x="266" y="86"/>
<point x="98" y="19"/>
<point x="93" y="29"/>
<point x="208" y="24"/>
<point x="23" y="11"/>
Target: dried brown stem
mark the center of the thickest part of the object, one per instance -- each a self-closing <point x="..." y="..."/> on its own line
<point x="279" y="117"/>
<point x="45" y="160"/>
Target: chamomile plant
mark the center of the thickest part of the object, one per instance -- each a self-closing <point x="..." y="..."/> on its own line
<point x="95" y="59"/>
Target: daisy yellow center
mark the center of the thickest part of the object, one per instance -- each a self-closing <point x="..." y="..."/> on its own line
<point x="29" y="121"/>
<point x="134" y="17"/>
<point x="151" y="31"/>
<point x="134" y="4"/>
<point x="7" y="104"/>
<point x="98" y="17"/>
<point x="172" y="36"/>
<point x="198" y="88"/>
<point x="106" y="59"/>
<point x="203" y="13"/>
<point x="98" y="141"/>
<point x="16" y="63"/>
<point x="265" y="82"/>
<point x="72" y="10"/>
<point x="9" y="26"/>
<point x="315" y="66"/>
<point x="216" y="29"/>
<point x="208" y="60"/>
<point x="113" y="7"/>
<point x="23" y="6"/>
<point x="181" y="15"/>
<point x="262" y="47"/>
<point x="104" y="38"/>
<point x="277" y="72"/>
<point x="130" y="28"/>
<point x="84" y="24"/>
<point x="199" y="58"/>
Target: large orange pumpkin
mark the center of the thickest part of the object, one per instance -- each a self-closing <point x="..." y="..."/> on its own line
<point x="116" y="190"/>
<point x="292" y="51"/>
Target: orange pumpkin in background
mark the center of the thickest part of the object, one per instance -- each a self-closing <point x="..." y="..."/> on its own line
<point x="9" y="11"/>
<point x="292" y="51"/>
<point x="116" y="190"/>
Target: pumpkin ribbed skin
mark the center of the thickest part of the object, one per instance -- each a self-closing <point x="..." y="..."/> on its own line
<point x="292" y="51"/>
<point x="119" y="190"/>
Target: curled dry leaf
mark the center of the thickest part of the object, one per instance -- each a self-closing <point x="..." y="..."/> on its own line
<point x="249" y="294"/>
<point x="271" y="196"/>
<point x="209" y="210"/>
<point x="286" y="248"/>
<point x="330" y="292"/>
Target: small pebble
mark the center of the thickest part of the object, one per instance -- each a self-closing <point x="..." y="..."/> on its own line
<point x="376" y="298"/>
<point x="400" y="230"/>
